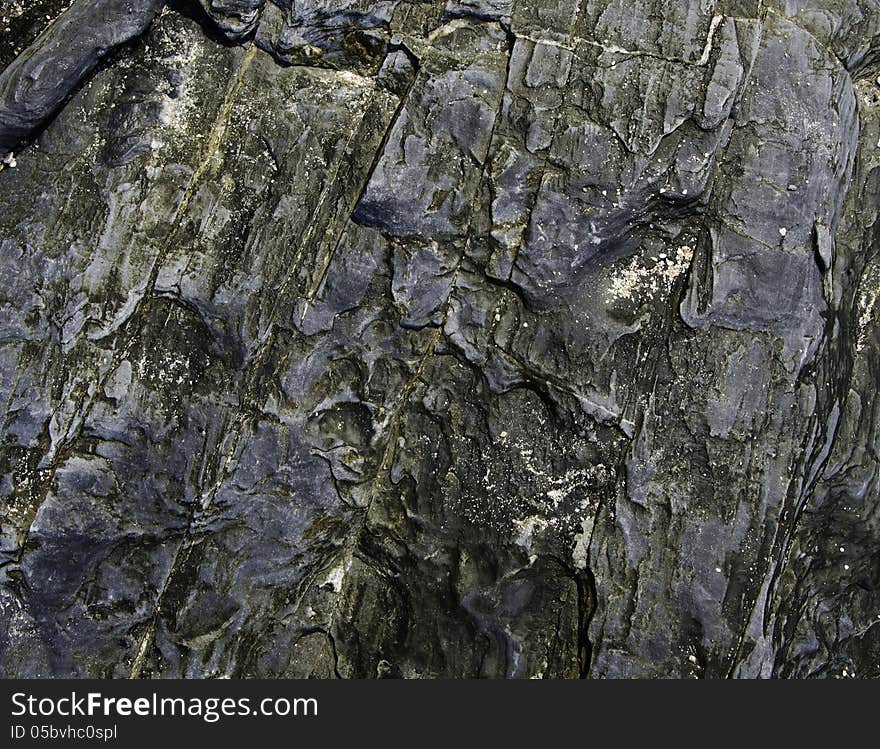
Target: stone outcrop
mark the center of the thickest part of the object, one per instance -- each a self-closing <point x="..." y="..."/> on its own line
<point x="479" y="338"/>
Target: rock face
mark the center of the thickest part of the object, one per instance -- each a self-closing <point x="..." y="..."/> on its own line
<point x="36" y="82"/>
<point x="384" y="338"/>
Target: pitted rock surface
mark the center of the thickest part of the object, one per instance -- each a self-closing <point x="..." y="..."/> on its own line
<point x="479" y="338"/>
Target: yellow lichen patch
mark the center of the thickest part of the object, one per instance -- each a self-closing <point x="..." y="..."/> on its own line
<point x="638" y="279"/>
<point x="867" y="303"/>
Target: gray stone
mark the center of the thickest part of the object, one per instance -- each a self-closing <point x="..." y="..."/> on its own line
<point x="36" y="83"/>
<point x="479" y="338"/>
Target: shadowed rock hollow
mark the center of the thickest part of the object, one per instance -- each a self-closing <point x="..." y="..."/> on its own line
<point x="492" y="338"/>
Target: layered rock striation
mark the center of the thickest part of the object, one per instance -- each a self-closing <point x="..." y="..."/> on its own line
<point x="491" y="338"/>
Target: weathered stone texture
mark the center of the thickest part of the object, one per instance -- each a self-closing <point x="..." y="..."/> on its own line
<point x="480" y="338"/>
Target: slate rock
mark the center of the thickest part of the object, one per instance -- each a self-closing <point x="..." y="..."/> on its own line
<point x="452" y="338"/>
<point x="36" y="83"/>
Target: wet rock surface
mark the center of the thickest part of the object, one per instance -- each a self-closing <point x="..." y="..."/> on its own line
<point x="492" y="338"/>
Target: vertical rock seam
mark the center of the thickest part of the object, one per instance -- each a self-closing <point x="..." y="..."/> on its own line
<point x="459" y="338"/>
